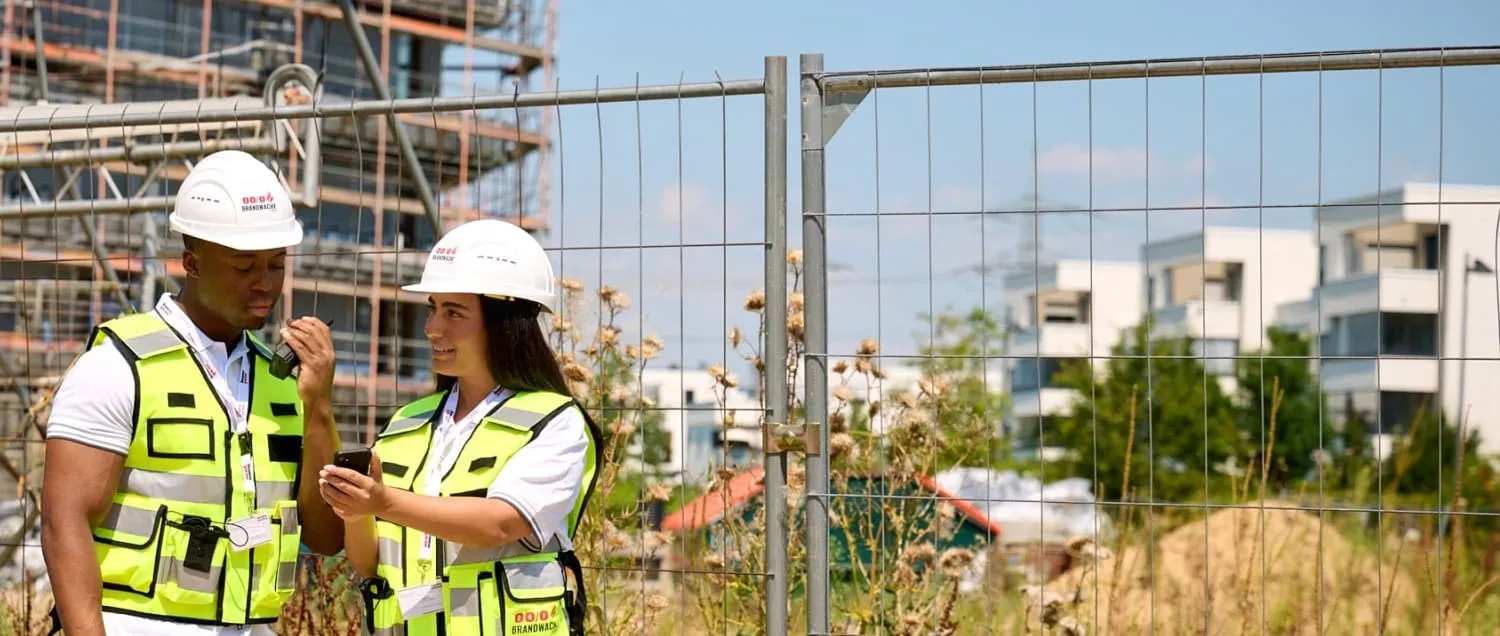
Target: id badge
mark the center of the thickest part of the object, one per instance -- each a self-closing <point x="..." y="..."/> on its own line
<point x="249" y="532"/>
<point x="420" y="600"/>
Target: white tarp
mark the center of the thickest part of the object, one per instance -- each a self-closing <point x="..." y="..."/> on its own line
<point x="1016" y="504"/>
<point x="12" y="515"/>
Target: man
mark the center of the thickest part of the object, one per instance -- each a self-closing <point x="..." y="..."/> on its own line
<point x="182" y="475"/>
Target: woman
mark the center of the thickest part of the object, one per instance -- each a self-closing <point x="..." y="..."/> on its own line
<point x="474" y="492"/>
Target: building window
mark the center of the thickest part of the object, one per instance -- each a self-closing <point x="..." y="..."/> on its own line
<point x="1031" y="374"/>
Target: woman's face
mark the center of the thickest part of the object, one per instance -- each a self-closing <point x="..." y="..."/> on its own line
<point x="455" y="327"/>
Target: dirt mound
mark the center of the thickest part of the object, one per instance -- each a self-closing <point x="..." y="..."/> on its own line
<point x="1256" y="573"/>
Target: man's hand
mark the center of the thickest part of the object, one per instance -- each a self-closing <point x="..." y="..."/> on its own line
<point x="313" y="342"/>
<point x="78" y="485"/>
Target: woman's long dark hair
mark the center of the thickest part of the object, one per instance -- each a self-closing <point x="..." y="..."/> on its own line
<point x="517" y="351"/>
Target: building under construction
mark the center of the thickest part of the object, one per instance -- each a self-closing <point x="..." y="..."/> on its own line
<point x="83" y="232"/>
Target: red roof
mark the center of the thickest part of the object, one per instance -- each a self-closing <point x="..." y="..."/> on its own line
<point x="711" y="507"/>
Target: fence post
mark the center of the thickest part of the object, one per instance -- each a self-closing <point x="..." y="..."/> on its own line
<point x="815" y="314"/>
<point x="775" y="346"/>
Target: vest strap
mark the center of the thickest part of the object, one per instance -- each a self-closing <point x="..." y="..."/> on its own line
<point x="576" y="599"/>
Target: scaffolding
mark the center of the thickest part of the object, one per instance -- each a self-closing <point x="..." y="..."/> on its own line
<point x="83" y="235"/>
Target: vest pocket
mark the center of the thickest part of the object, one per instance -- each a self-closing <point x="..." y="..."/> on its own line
<point x="191" y="561"/>
<point x="129" y="548"/>
<point x="180" y="438"/>
<point x="531" y="598"/>
<point x="275" y="563"/>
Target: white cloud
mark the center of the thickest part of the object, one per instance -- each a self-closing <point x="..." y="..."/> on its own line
<point x="1117" y="163"/>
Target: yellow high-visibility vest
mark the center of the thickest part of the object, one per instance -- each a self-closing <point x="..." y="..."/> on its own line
<point x="486" y="592"/>
<point x="164" y="548"/>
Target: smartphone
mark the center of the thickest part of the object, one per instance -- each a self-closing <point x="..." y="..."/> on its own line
<point x="356" y="458"/>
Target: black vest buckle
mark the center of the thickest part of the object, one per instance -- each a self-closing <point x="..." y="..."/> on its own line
<point x="203" y="538"/>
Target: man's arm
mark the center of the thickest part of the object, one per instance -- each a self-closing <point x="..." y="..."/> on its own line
<point x="78" y="484"/>
<point x="322" y="530"/>
<point x="88" y="436"/>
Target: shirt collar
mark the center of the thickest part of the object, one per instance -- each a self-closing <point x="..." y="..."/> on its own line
<point x="170" y="311"/>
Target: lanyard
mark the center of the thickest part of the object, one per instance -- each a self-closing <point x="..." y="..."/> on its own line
<point x="447" y="440"/>
<point x="236" y="397"/>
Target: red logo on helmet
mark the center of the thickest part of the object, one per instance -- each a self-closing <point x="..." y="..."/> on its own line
<point x="259" y="201"/>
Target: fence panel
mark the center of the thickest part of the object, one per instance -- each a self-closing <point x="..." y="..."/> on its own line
<point x="1155" y="344"/>
<point x="655" y="235"/>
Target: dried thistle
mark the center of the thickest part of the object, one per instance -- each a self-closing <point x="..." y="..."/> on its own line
<point x="609" y="335"/>
<point x="713" y="560"/>
<point x="838" y="422"/>
<point x="756" y="301"/>
<point x="650" y="347"/>
<point x="796" y="325"/>
<point x="794" y="257"/>
<point x="840" y="367"/>
<point x="917" y="554"/>
<point x="656" y="602"/>
<point x="794" y="302"/>
<point x="658" y="492"/>
<point x="735" y="337"/>
<point x="955" y="561"/>
<point x="622" y="427"/>
<point x="575" y="372"/>
<point x="570" y="285"/>
<point x="868" y="347"/>
<point x="908" y="400"/>
<point x="843" y="393"/>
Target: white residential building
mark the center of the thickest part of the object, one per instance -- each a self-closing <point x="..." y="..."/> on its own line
<point x="1066" y="309"/>
<point x="1221" y="288"/>
<point x="1406" y="292"/>
<point x="693" y="420"/>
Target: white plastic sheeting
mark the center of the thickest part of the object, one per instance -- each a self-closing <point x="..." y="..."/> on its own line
<point x="28" y="556"/>
<point x="1026" y="509"/>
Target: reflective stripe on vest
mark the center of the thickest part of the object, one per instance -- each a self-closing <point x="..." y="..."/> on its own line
<point x="163" y="545"/>
<point x="486" y="591"/>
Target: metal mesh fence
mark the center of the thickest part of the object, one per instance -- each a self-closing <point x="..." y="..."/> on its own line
<point x="1168" y="346"/>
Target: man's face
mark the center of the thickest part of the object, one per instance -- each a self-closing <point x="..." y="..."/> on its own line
<point x="240" y="287"/>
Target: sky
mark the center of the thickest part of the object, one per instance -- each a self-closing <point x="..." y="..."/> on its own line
<point x="909" y="161"/>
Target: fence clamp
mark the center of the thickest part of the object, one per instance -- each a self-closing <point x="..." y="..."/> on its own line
<point x="803" y="438"/>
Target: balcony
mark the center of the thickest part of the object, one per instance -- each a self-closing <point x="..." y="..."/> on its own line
<point x="1211" y="319"/>
<point x="1045" y="401"/>
<point x="1054" y="339"/>
<point x="1415" y="291"/>
<point x="1413" y="375"/>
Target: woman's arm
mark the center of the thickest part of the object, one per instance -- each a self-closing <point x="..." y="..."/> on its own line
<point x="362" y="544"/>
<point x="474" y="521"/>
<point x="357" y="498"/>
<point x="530" y="498"/>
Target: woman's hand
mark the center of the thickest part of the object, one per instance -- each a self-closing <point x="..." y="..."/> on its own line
<point x="352" y="495"/>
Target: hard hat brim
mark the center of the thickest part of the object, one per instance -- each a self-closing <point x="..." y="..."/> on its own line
<point x="285" y="236"/>
<point x="546" y="301"/>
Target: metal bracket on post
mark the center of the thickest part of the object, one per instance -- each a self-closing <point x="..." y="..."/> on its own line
<point x="838" y="106"/>
<point x="795" y="438"/>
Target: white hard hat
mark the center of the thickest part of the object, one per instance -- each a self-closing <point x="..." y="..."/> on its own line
<point x="489" y="257"/>
<point x="233" y="199"/>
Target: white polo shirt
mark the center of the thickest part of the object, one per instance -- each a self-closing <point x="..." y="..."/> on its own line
<point x="94" y="403"/>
